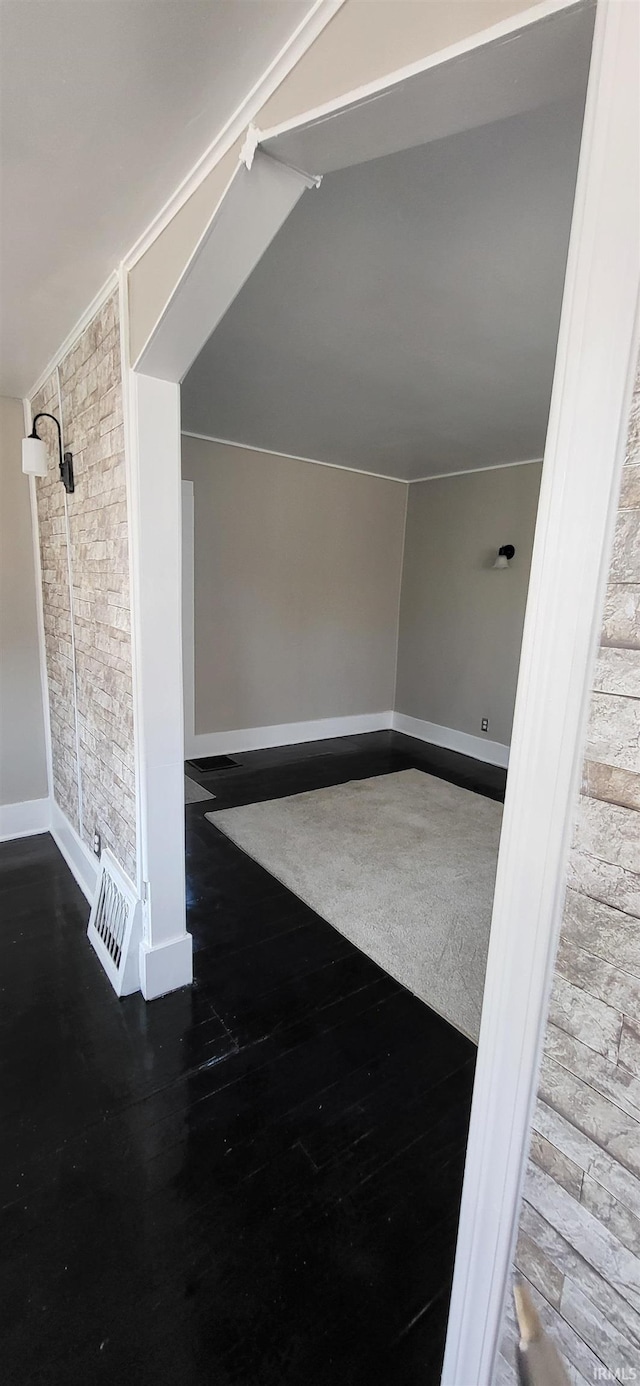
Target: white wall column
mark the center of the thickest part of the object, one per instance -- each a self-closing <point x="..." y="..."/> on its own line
<point x="154" y="423"/>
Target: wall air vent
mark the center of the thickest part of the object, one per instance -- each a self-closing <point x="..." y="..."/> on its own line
<point x="115" y="926"/>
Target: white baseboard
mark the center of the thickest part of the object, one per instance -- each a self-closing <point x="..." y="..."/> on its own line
<point x="82" y="864"/>
<point x="288" y="734"/>
<point x="166" y="967"/>
<point x="477" y="746"/>
<point x="24" y="820"/>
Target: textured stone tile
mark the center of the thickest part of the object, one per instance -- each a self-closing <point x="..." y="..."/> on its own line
<point x="618" y="1311"/>
<point x="615" y="1131"/>
<point x="619" y="989"/>
<point x="611" y="784"/>
<point x="629" y="1055"/>
<point x="625" y="559"/>
<point x="593" y="1022"/>
<point x="606" y="883"/>
<point x="603" y="930"/>
<point x="632" y="452"/>
<point x="580" y="1362"/>
<point x="562" y="1169"/>
<point x="504" y="1374"/>
<point x="613" y="733"/>
<point x="618" y="1266"/>
<point x="609" y="1345"/>
<point x="609" y="832"/>
<point x="591" y="1108"/>
<point x="92" y="418"/>
<point x="630" y="489"/>
<point x="510" y="1334"/>
<point x="603" y="1075"/>
<point x="536" y="1266"/>
<point x="618" y="671"/>
<point x="612" y="1214"/>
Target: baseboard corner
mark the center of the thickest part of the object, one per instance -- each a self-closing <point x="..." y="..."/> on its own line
<point x="24" y="819"/>
<point x="82" y="865"/>
<point x="478" y="747"/>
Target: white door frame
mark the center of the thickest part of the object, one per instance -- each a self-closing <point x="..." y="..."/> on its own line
<point x="188" y="617"/>
<point x="581" y="476"/>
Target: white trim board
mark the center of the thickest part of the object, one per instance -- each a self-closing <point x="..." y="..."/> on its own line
<point x="359" y="471"/>
<point x="479" y="747"/>
<point x="188" y="612"/>
<point x="286" y="734"/>
<point x="578" y="500"/>
<point x="291" y="456"/>
<point x="308" y="30"/>
<point x="521" y="19"/>
<point x="109" y="287"/>
<point x="24" y="820"/>
<point x="325" y="728"/>
<point x="153" y="441"/>
<point x="250" y="212"/>
<point x="472" y="471"/>
<point x="82" y="865"/>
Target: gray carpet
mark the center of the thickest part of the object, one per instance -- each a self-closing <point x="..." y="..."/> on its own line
<point x="194" y="792"/>
<point x="403" y="865"/>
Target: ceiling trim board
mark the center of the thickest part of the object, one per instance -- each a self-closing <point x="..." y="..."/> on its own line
<point x="470" y="471"/>
<point x="361" y="95"/>
<point x="360" y="471"/>
<point x="290" y="456"/>
<point x="542" y="64"/>
<point x="249" y="214"/>
<point x="109" y="287"/>
<point x="290" y="54"/>
<point x="192" y="258"/>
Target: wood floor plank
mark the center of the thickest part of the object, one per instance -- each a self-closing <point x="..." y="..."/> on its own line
<point x="252" y="1181"/>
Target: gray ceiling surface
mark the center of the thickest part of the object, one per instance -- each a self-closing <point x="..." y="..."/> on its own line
<point x="404" y="320"/>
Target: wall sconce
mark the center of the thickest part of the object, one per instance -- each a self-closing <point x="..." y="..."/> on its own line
<point x="34" y="455"/>
<point x="505" y="554"/>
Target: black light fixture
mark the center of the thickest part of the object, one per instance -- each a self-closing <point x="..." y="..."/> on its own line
<point x="505" y="554"/>
<point x="34" y="454"/>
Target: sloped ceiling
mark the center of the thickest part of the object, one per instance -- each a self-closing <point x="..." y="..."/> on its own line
<point x="105" y="107"/>
<point x="404" y="321"/>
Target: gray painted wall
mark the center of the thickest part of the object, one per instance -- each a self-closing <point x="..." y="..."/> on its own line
<point x="23" y="769"/>
<point x="297" y="587"/>
<point x="461" y="620"/>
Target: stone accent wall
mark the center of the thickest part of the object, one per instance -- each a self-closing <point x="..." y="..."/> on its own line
<point x="87" y="623"/>
<point x="57" y="616"/>
<point x="579" y="1236"/>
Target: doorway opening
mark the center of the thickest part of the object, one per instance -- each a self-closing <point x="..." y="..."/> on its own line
<point x="362" y="443"/>
<point x="529" y="714"/>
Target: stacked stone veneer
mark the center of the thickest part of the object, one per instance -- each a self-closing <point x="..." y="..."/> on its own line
<point x="579" y="1236"/>
<point x="86" y="593"/>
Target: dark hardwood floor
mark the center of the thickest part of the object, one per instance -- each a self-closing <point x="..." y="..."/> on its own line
<point x="251" y="1182"/>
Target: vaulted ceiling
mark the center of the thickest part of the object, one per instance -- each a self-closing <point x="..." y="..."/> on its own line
<point x="404" y="321"/>
<point x="105" y="107"/>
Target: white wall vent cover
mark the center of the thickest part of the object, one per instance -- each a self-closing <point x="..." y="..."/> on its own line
<point x="114" y="926"/>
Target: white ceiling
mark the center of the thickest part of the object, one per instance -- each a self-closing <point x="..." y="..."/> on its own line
<point x="105" y="106"/>
<point x="404" y="320"/>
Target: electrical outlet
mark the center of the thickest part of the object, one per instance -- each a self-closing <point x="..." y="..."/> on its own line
<point x="485" y="724"/>
<point x="97" y="844"/>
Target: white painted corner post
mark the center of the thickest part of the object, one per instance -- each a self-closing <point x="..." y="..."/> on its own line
<point x="154" y="435"/>
<point x="581" y="478"/>
<point x="258" y="199"/>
